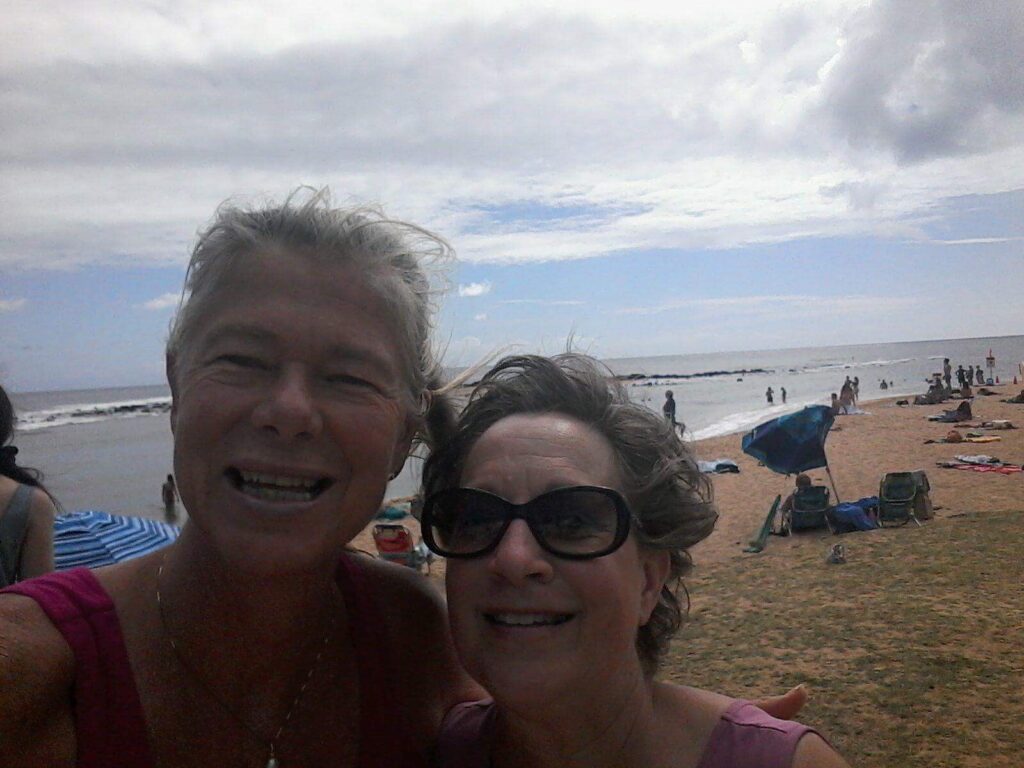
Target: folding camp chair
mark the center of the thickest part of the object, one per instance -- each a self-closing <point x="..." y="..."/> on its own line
<point x="902" y="497"/>
<point x="809" y="507"/>
<point x="395" y="544"/>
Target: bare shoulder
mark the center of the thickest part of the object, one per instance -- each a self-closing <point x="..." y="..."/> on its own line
<point x="700" y="707"/>
<point x="36" y="677"/>
<point x="42" y="509"/>
<point x="406" y="596"/>
<point x="814" y="752"/>
<point x="416" y="623"/>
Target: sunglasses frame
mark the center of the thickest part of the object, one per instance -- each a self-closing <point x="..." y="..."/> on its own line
<point x="623" y="521"/>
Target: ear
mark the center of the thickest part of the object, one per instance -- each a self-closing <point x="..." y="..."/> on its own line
<point x="656" y="565"/>
<point x="172" y="382"/>
<point x="403" y="445"/>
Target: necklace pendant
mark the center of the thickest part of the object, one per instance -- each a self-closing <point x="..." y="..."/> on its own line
<point x="272" y="763"/>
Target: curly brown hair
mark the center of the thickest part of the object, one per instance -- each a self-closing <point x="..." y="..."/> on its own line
<point x="669" y="497"/>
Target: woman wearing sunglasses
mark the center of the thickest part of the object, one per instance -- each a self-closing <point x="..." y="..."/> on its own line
<point x="567" y="513"/>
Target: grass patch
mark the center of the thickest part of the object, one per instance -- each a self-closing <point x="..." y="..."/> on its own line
<point x="913" y="650"/>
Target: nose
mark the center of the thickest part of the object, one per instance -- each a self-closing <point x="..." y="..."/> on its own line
<point x="518" y="557"/>
<point x="289" y="409"/>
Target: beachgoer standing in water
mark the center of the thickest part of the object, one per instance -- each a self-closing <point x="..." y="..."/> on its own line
<point x="782" y="391"/>
<point x="669" y="408"/>
<point x="769" y="395"/>
<point x="169" y="494"/>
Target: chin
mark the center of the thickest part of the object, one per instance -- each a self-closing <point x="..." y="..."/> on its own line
<point x="526" y="687"/>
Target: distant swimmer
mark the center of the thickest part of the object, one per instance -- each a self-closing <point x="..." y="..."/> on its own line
<point x="782" y="391"/>
<point x="770" y="395"/>
<point x="669" y="408"/>
<point x="169" y="496"/>
<point x="883" y="385"/>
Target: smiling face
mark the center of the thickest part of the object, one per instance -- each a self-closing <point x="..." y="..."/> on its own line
<point x="529" y="625"/>
<point x="289" y="412"/>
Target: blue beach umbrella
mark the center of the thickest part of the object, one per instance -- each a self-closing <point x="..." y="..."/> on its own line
<point x="91" y="539"/>
<point x="794" y="442"/>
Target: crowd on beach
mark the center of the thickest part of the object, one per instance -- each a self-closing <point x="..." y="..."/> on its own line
<point x="302" y="374"/>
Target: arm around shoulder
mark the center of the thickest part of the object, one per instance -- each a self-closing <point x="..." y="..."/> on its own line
<point x="36" y="678"/>
<point x="814" y="752"/>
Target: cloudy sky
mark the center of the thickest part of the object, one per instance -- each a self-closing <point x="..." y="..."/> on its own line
<point x="654" y="180"/>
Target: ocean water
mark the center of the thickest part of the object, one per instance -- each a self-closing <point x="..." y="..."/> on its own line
<point x="110" y="449"/>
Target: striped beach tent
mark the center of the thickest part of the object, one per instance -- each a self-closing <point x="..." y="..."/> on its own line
<point x="91" y="539"/>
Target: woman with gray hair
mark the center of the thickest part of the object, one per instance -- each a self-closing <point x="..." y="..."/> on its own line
<point x="300" y="367"/>
<point x="567" y="513"/>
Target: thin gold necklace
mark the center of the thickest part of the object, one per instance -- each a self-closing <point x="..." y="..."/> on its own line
<point x="272" y="742"/>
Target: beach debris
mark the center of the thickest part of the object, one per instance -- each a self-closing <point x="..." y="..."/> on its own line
<point x="836" y="555"/>
<point x="718" y="466"/>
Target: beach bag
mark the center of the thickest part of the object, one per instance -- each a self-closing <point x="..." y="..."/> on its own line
<point x="13" y="526"/>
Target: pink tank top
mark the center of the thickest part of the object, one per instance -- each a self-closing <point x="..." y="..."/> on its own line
<point x="110" y="727"/>
<point x="744" y="737"/>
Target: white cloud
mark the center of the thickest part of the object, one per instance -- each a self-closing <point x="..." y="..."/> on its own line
<point x="482" y="316"/>
<point x="979" y="241"/>
<point x="545" y="302"/>
<point x="789" y="305"/>
<point x="166" y="301"/>
<point x="475" y="289"/>
<point x="11" y="305"/>
<point x="647" y="127"/>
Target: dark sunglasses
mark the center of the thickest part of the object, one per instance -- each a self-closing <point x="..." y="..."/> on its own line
<point x="578" y="523"/>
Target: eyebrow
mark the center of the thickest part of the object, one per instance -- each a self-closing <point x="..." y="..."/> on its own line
<point x="350" y="351"/>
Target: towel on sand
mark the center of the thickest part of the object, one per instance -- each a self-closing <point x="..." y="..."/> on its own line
<point x="980" y="463"/>
<point x="1002" y="469"/>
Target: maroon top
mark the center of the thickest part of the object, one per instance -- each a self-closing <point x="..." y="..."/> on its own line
<point x="744" y="737"/>
<point x="110" y="727"/>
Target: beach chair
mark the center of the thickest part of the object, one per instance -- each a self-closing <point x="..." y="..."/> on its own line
<point x="809" y="507"/>
<point x="902" y="497"/>
<point x="395" y="544"/>
<point x="757" y="544"/>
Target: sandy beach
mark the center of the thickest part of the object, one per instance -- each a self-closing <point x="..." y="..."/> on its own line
<point x="861" y="450"/>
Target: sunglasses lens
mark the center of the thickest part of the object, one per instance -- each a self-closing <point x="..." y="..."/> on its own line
<point x="464" y="522"/>
<point x="576" y="522"/>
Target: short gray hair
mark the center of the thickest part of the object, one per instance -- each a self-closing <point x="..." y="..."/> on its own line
<point x="400" y="260"/>
<point x="667" y="494"/>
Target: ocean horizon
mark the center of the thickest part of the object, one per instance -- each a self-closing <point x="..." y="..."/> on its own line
<point x="111" y="448"/>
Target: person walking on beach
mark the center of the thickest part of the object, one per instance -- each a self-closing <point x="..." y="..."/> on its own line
<point x="669" y="408"/>
<point x="782" y="391"/>
<point x="769" y="395"/>
<point x="169" y="494"/>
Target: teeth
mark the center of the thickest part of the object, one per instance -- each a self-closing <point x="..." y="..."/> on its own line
<point x="279" y="481"/>
<point x="528" y="619"/>
<point x="275" y="494"/>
